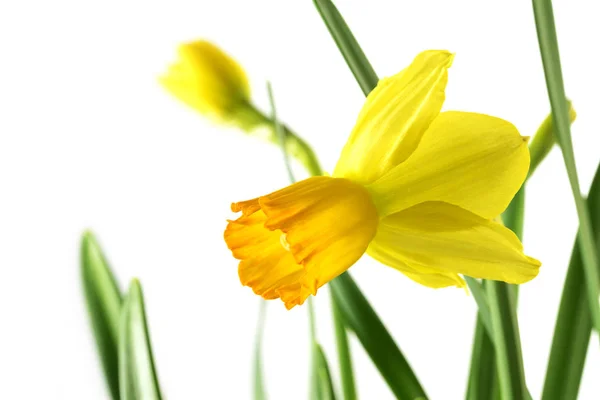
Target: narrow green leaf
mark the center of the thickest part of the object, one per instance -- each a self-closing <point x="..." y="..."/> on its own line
<point x="103" y="298"/>
<point x="378" y="343"/>
<point x="348" y="46"/>
<point x="325" y="384"/>
<point x="514" y="218"/>
<point x="259" y="381"/>
<point x="483" y="379"/>
<point x="546" y="31"/>
<point x="343" y="349"/>
<point x="137" y="374"/>
<point x="573" y="324"/>
<point x="480" y="297"/>
<point x="507" y="344"/>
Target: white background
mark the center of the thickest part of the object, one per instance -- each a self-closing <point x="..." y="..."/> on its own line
<point x="88" y="139"/>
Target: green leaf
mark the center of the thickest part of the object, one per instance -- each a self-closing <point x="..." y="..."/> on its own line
<point x="507" y="343"/>
<point x="137" y="373"/>
<point x="259" y="381"/>
<point x="483" y="379"/>
<point x="104" y="299"/>
<point x="480" y="297"/>
<point x="546" y="31"/>
<point x="348" y="46"/>
<point x="378" y="343"/>
<point x="325" y="385"/>
<point x="343" y="349"/>
<point x="573" y="324"/>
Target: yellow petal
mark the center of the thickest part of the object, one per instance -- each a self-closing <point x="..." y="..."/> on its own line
<point x="475" y="161"/>
<point x="431" y="277"/>
<point x="443" y="238"/>
<point x="293" y="241"/>
<point x="207" y="79"/>
<point x="395" y="116"/>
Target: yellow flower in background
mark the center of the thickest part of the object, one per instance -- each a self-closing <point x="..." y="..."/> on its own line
<point x="208" y="80"/>
<point x="415" y="188"/>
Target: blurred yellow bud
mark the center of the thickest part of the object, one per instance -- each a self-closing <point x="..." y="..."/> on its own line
<point x="210" y="81"/>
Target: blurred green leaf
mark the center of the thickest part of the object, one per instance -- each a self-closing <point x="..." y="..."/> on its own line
<point x="573" y="324"/>
<point x="325" y="385"/>
<point x="378" y="343"/>
<point x="103" y="298"/>
<point x="137" y="373"/>
<point x="259" y="381"/>
<point x="546" y="31"/>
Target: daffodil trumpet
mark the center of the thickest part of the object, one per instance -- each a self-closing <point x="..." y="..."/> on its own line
<point x="415" y="188"/>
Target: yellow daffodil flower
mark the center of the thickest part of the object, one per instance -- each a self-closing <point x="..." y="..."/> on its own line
<point x="208" y="80"/>
<point x="415" y="188"/>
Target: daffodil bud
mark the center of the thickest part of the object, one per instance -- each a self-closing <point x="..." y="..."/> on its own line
<point x="211" y="82"/>
<point x="544" y="140"/>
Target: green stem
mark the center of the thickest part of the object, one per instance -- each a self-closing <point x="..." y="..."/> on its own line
<point x="546" y="31"/>
<point x="507" y="345"/>
<point x="343" y="348"/>
<point x="483" y="379"/>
